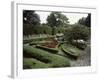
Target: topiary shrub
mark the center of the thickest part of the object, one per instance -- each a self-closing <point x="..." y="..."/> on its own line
<point x="30" y="63"/>
<point x="46" y="57"/>
<point x="52" y="50"/>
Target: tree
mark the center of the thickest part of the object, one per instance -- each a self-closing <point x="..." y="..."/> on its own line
<point x="88" y="20"/>
<point x="85" y="21"/>
<point x="56" y="19"/>
<point x="30" y="17"/>
<point x="82" y="21"/>
<point x="77" y="32"/>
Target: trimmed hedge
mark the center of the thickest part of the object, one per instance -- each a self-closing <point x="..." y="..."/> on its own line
<point x="71" y="50"/>
<point x="29" y="63"/>
<point x="80" y="45"/>
<point x="38" y="42"/>
<point x="38" y="39"/>
<point x="46" y="57"/>
<point x="53" y="50"/>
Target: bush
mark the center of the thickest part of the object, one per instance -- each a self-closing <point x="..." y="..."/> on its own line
<point x="53" y="50"/>
<point x="36" y="53"/>
<point x="71" y="50"/>
<point x="60" y="29"/>
<point x="46" y="57"/>
<point x="29" y="29"/>
<point x="77" y="32"/>
<point x="80" y="45"/>
<point x="38" y="39"/>
<point x="29" y="63"/>
<point x="46" y="29"/>
<point x="43" y="29"/>
<point x="38" y="42"/>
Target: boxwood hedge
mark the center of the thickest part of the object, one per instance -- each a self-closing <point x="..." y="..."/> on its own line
<point x="70" y="50"/>
<point x="29" y="63"/>
<point x="53" y="50"/>
<point x="53" y="59"/>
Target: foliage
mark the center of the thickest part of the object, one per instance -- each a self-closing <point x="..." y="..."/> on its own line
<point x="52" y="50"/>
<point x="56" y="19"/>
<point x="85" y="21"/>
<point x="71" y="50"/>
<point x="88" y="20"/>
<point x="38" y="40"/>
<point x="59" y="29"/>
<point x="46" y="29"/>
<point x="30" y="17"/>
<point x="29" y="29"/>
<point x="29" y="63"/>
<point x="46" y="57"/>
<point x="80" y="45"/>
<point x="77" y="32"/>
<point x="82" y="21"/>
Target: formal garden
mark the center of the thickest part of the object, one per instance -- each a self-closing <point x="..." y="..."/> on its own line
<point x="56" y="43"/>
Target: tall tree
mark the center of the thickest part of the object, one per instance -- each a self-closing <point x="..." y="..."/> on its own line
<point x="30" y="17"/>
<point x="30" y="20"/>
<point x="88" y="20"/>
<point x="82" y="21"/>
<point x="57" y="19"/>
<point x="85" y="21"/>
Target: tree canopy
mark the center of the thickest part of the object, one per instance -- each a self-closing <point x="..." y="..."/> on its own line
<point x="85" y="21"/>
<point x="57" y="19"/>
<point x="30" y="17"/>
<point x="77" y="32"/>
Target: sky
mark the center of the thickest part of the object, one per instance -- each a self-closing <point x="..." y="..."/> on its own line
<point x="73" y="17"/>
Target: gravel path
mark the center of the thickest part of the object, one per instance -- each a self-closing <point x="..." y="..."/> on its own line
<point x="84" y="59"/>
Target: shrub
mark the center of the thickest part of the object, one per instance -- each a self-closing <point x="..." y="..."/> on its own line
<point x="53" y="50"/>
<point x="38" y="42"/>
<point x="77" y="32"/>
<point x="36" y="53"/>
<point x="29" y="29"/>
<point x="80" y="45"/>
<point x="60" y="29"/>
<point x="52" y="59"/>
<point x="29" y="63"/>
<point x="43" y="29"/>
<point x="71" y="50"/>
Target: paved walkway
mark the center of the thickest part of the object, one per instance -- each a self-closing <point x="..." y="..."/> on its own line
<point x="84" y="59"/>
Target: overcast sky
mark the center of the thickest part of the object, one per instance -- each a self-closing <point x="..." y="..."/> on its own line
<point x="73" y="17"/>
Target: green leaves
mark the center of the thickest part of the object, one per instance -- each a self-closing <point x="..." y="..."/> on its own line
<point x="77" y="32"/>
<point x="46" y="57"/>
<point x="56" y="19"/>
